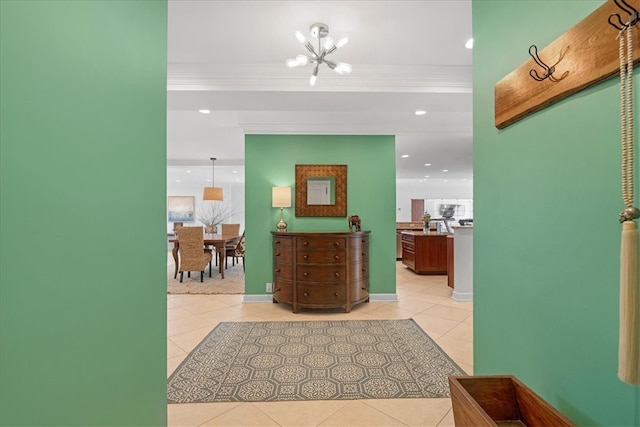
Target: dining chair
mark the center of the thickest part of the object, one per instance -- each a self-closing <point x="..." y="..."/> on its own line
<point x="229" y="230"/>
<point x="193" y="256"/>
<point x="236" y="252"/>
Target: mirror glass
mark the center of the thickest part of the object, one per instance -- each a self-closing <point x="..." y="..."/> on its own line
<point x="321" y="190"/>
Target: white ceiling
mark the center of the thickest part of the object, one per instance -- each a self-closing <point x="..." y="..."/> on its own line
<point x="229" y="57"/>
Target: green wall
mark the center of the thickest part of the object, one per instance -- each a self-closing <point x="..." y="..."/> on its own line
<point x="270" y="161"/>
<point x="82" y="213"/>
<point x="547" y="238"/>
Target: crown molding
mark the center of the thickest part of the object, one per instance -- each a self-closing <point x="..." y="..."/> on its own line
<point x="273" y="77"/>
<point x="346" y="129"/>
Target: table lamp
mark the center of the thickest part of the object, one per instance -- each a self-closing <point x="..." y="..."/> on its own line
<point x="281" y="198"/>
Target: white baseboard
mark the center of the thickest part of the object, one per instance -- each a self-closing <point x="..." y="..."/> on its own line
<point x="462" y="296"/>
<point x="251" y="298"/>
<point x="383" y="297"/>
<point x="257" y="298"/>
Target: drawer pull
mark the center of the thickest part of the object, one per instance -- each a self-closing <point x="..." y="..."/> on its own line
<point x="305" y="243"/>
<point x="306" y="294"/>
<point x="278" y="254"/>
<point x="277" y="270"/>
<point x="278" y="290"/>
<point x="336" y="243"/>
<point x="336" y="257"/>
<point x="364" y="269"/>
<point x="336" y="294"/>
<point x="337" y="274"/>
<point x="305" y="274"/>
<point x="277" y="242"/>
<point x="364" y="289"/>
<point x="306" y="257"/>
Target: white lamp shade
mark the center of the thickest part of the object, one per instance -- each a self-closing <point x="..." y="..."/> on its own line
<point x="212" y="193"/>
<point x="281" y="197"/>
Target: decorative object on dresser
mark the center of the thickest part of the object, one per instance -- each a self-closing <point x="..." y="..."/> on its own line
<point x="354" y="222"/>
<point x="281" y="198"/>
<point x="321" y="269"/>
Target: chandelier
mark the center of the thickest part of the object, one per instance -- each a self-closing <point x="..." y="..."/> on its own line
<point x="320" y="31"/>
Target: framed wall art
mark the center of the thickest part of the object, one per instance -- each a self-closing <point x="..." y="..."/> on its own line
<point x="181" y="208"/>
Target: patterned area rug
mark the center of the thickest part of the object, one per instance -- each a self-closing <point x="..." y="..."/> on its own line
<point x="313" y="360"/>
<point x="233" y="282"/>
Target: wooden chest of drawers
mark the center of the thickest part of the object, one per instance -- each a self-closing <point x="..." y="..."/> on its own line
<point x="321" y="269"/>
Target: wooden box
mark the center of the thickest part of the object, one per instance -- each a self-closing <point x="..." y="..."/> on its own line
<point x="500" y="401"/>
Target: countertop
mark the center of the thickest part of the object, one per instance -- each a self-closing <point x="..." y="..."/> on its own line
<point x="422" y="233"/>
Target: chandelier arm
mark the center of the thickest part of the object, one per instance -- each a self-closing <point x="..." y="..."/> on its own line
<point x="310" y="48"/>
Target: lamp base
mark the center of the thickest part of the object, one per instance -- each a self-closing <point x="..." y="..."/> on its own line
<point x="281" y="225"/>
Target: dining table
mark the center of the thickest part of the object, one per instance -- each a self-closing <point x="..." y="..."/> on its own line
<point x="216" y="240"/>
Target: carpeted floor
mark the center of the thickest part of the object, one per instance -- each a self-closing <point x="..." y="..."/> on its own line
<point x="233" y="282"/>
<point x="313" y="360"/>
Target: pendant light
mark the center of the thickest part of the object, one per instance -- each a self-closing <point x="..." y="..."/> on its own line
<point x="213" y="192"/>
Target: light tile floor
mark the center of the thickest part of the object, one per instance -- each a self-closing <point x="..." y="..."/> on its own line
<point x="426" y="299"/>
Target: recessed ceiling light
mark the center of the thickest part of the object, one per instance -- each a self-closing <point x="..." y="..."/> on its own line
<point x="404" y="156"/>
<point x="188" y="171"/>
<point x="445" y="170"/>
<point x="177" y="180"/>
<point x="446" y="180"/>
<point x="420" y="112"/>
<point x="208" y="180"/>
<point x="427" y="164"/>
<point x="426" y="176"/>
<point x="204" y="111"/>
<point x="234" y="171"/>
<point x="469" y="44"/>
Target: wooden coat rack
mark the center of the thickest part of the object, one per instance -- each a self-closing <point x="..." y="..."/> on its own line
<point x="584" y="55"/>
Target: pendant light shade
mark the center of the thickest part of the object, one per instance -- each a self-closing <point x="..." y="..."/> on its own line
<point x="213" y="192"/>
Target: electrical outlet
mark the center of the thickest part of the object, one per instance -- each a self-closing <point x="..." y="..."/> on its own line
<point x="269" y="287"/>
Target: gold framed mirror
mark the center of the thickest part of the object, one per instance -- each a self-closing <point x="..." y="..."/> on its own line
<point x="321" y="190"/>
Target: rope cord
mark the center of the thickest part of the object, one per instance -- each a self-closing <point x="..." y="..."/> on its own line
<point x="626" y="114"/>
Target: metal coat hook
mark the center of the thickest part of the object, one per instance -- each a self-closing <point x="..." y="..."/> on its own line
<point x="634" y="16"/>
<point x="548" y="70"/>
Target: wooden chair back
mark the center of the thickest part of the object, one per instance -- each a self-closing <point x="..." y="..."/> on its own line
<point x="191" y="247"/>
<point x="230" y="230"/>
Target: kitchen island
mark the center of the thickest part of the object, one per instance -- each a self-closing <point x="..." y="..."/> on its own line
<point x="427" y="253"/>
